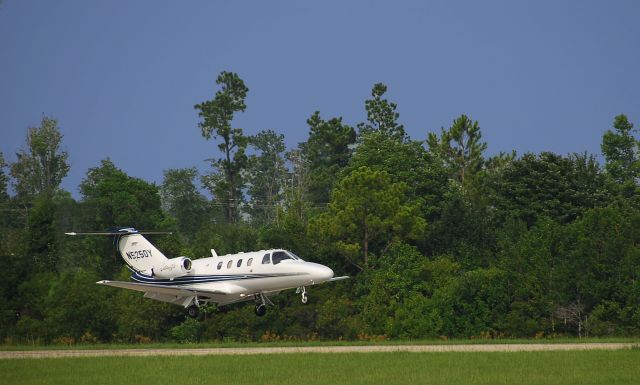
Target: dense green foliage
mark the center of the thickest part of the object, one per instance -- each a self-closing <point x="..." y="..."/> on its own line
<point x="584" y="367"/>
<point x="441" y="241"/>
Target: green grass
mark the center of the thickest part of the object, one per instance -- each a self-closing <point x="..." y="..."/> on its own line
<point x="318" y="343"/>
<point x="578" y="367"/>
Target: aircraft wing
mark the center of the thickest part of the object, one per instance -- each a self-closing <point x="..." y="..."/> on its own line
<point x="178" y="290"/>
<point x="222" y="294"/>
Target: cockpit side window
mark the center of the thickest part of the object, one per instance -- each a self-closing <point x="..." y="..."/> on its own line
<point x="279" y="256"/>
<point x="266" y="260"/>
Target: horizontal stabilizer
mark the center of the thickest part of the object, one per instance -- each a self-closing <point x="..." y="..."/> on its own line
<point x="118" y="232"/>
<point x="339" y="278"/>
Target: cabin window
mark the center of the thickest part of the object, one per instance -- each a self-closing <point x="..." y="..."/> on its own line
<point x="219" y="265"/>
<point x="266" y="260"/>
<point x="279" y="256"/>
<point x="229" y="264"/>
<point x="249" y="261"/>
<point x="239" y="263"/>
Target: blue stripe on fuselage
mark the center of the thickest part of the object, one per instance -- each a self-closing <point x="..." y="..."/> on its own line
<point x="190" y="279"/>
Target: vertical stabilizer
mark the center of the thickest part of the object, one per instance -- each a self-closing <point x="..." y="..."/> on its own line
<point x="139" y="253"/>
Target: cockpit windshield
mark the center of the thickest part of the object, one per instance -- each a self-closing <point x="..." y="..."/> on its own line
<point x="294" y="256"/>
<point x="279" y="256"/>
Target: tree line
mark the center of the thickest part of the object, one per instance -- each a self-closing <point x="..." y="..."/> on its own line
<point x="441" y="240"/>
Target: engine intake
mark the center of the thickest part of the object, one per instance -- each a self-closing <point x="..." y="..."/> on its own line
<point x="172" y="268"/>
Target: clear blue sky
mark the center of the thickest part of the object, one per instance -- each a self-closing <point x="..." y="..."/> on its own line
<point x="122" y="77"/>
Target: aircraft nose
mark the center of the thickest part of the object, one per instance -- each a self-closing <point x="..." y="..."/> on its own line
<point x="326" y="273"/>
<point x="320" y="273"/>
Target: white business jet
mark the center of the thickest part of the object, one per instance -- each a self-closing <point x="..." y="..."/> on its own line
<point x="221" y="279"/>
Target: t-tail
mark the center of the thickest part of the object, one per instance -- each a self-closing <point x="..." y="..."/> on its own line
<point x="143" y="257"/>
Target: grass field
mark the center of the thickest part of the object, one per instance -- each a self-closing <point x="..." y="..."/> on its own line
<point x="577" y="367"/>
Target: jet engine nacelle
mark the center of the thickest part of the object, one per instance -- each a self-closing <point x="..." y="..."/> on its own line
<point x="172" y="268"/>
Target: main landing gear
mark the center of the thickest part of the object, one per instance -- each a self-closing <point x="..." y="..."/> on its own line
<point x="261" y="309"/>
<point x="261" y="304"/>
<point x="193" y="311"/>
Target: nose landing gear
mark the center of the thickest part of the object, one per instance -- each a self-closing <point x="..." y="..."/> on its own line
<point x="303" y="290"/>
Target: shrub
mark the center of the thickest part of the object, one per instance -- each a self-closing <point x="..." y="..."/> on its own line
<point x="186" y="332"/>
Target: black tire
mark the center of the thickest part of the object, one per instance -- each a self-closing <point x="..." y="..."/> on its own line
<point x="261" y="310"/>
<point x="193" y="311"/>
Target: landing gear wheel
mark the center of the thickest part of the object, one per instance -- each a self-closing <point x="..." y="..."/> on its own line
<point x="193" y="311"/>
<point x="261" y="309"/>
<point x="305" y="297"/>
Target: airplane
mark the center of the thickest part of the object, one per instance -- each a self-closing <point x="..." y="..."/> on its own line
<point x="220" y="280"/>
